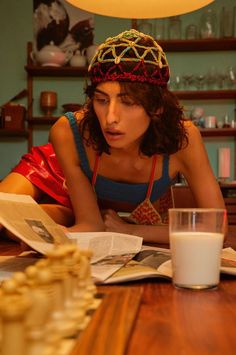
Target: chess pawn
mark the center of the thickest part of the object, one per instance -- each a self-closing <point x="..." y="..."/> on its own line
<point x="13" y="309"/>
<point x="1" y="294"/>
<point x="52" y="339"/>
<point x="78" y="292"/>
<point x="21" y="279"/>
<point x="83" y="292"/>
<point x="60" y="322"/>
<point x="39" y="314"/>
<point x="73" y="312"/>
<point x="86" y="278"/>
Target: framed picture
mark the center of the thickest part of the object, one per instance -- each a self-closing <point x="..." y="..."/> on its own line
<point x="59" y="23"/>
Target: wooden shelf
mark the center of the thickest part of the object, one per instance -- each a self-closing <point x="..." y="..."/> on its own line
<point x="13" y="133"/>
<point x="51" y="71"/>
<point x="206" y="94"/>
<point x="218" y="132"/>
<point x="197" y="45"/>
<point x="42" y="120"/>
<point x="205" y="132"/>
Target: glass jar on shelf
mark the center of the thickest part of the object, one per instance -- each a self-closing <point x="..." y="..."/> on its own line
<point x="226" y="22"/>
<point x="208" y="24"/>
<point x="174" y="28"/>
<point x="159" y="29"/>
<point x="145" y="26"/>
<point x="191" y="31"/>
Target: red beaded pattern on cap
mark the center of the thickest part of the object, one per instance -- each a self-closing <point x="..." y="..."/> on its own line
<point x="112" y="59"/>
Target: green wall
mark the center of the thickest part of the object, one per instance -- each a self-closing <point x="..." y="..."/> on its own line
<point x="16" y="31"/>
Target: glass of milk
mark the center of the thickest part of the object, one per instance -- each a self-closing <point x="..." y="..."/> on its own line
<point x="196" y="241"/>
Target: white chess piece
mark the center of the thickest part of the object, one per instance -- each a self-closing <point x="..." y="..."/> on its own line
<point x="61" y="324"/>
<point x="40" y="312"/>
<point x="13" y="308"/>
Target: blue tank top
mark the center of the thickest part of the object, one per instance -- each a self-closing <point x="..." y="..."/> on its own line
<point x="111" y="190"/>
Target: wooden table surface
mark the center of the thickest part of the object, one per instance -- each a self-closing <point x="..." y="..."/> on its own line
<point x="152" y="317"/>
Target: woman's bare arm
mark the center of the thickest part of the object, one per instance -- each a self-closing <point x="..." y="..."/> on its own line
<point x="18" y="184"/>
<point x="83" y="198"/>
<point x="195" y="166"/>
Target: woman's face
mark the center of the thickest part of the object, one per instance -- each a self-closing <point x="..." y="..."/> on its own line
<point x="123" y="122"/>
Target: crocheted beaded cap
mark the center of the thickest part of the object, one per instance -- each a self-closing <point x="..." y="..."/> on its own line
<point x="130" y="56"/>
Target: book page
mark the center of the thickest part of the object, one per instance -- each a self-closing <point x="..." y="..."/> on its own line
<point x="148" y="263"/>
<point x="111" y="251"/>
<point x="104" y="244"/>
<point x="23" y="217"/>
<point x="228" y="261"/>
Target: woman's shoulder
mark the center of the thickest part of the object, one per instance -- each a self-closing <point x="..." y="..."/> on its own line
<point x="191" y="128"/>
<point x="63" y="124"/>
<point x="194" y="144"/>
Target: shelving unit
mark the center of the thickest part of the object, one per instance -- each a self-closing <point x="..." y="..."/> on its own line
<point x="34" y="71"/>
<point x="206" y="94"/>
<point x="198" y="45"/>
<point x="13" y="133"/>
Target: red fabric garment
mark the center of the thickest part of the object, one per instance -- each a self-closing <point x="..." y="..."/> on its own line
<point x="41" y="167"/>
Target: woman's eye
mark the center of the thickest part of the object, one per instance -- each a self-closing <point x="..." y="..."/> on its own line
<point x="101" y="100"/>
<point x="128" y="101"/>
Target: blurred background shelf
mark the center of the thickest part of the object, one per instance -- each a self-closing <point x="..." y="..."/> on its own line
<point x="13" y="133"/>
<point x="206" y="94"/>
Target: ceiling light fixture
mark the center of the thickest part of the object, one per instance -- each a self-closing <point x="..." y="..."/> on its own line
<point x="139" y="9"/>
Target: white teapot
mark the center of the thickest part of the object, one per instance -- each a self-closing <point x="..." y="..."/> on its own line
<point x="51" y="55"/>
<point x="78" y="59"/>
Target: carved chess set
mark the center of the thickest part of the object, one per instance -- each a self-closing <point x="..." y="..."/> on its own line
<point x="44" y="309"/>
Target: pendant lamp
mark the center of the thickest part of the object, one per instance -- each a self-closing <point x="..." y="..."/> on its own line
<point x="139" y="9"/>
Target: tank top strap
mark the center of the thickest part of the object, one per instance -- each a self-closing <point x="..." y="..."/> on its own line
<point x="152" y="176"/>
<point x="78" y="142"/>
<point x="95" y="169"/>
<point x="165" y="167"/>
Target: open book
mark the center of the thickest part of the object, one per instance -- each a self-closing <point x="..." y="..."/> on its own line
<point x="116" y="257"/>
<point x="153" y="262"/>
<point x="23" y="217"/>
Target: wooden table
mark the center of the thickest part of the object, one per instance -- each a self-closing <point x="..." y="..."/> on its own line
<point x="152" y="317"/>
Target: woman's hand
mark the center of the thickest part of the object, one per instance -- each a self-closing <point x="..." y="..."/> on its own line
<point x="113" y="223"/>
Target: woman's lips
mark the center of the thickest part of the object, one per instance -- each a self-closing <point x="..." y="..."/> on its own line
<point x="112" y="134"/>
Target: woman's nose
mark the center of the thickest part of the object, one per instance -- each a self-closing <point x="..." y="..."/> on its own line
<point x="112" y="113"/>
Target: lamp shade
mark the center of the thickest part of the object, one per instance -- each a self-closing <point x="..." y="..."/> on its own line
<point x="139" y="9"/>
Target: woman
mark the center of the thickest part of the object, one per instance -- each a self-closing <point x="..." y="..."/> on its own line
<point x="121" y="153"/>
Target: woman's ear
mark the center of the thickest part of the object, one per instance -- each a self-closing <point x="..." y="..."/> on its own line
<point x="160" y="111"/>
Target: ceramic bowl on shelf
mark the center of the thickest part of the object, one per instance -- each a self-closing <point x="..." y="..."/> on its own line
<point x="71" y="107"/>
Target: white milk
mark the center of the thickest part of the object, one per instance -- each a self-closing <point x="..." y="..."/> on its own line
<point x="196" y="258"/>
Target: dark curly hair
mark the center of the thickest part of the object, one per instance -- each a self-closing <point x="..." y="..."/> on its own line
<point x="166" y="133"/>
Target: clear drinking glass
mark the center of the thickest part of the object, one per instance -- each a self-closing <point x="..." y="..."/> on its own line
<point x="196" y="241"/>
